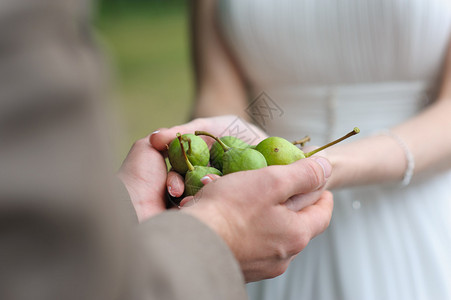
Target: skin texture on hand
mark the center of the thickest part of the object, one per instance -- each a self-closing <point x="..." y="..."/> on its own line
<point x="144" y="174"/>
<point x="265" y="236"/>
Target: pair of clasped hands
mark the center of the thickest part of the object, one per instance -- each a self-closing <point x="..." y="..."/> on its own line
<point x="265" y="216"/>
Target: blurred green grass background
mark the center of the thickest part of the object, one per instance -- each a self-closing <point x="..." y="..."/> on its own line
<point x="148" y="44"/>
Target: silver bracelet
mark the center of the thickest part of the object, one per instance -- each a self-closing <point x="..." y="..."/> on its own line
<point x="408" y="173"/>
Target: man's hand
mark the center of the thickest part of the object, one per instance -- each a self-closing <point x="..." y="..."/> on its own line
<point x="216" y="126"/>
<point x="144" y="174"/>
<point x="247" y="209"/>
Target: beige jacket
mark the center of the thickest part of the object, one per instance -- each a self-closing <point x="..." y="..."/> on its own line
<point x="63" y="230"/>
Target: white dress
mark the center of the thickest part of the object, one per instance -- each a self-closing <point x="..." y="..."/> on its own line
<point x="328" y="66"/>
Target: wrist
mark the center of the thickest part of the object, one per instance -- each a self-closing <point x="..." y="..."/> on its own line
<point x="212" y="217"/>
<point x="373" y="160"/>
<point x="409" y="158"/>
<point x="145" y="207"/>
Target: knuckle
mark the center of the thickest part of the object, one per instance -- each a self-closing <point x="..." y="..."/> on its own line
<point x="328" y="217"/>
<point x="326" y="224"/>
<point x="281" y="253"/>
<point x="301" y="242"/>
<point x="327" y="208"/>
<point x="279" y="269"/>
<point x="141" y="142"/>
<point x="296" y="241"/>
<point x="299" y="239"/>
<point x="326" y="220"/>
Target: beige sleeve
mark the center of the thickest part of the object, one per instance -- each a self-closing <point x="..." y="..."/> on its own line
<point x="60" y="234"/>
<point x="182" y="258"/>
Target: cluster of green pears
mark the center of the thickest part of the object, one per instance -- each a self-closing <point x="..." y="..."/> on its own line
<point x="189" y="155"/>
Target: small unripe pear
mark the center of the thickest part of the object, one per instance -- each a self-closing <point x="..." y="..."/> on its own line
<point x="279" y="151"/>
<point x="195" y="148"/>
<point x="194" y="173"/>
<point x="217" y="152"/>
<point x="192" y="179"/>
<point x="238" y="159"/>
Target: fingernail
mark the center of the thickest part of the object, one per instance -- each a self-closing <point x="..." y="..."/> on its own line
<point x="205" y="180"/>
<point x="150" y="136"/>
<point x="324" y="163"/>
<point x="170" y="191"/>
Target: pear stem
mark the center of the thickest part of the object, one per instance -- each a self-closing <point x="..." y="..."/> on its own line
<point x="189" y="146"/>
<point x="188" y="163"/>
<point x="224" y="146"/>
<point x="302" y="141"/>
<point x="353" y="132"/>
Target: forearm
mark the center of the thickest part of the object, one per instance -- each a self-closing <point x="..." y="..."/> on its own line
<point x="219" y="84"/>
<point x="381" y="158"/>
<point x="427" y="137"/>
<point x="213" y="100"/>
<point x="428" y="134"/>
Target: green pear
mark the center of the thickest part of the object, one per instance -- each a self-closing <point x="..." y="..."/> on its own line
<point x="279" y="151"/>
<point x="193" y="177"/>
<point x="238" y="159"/>
<point x="194" y="173"/>
<point x="195" y="148"/>
<point x="217" y="152"/>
